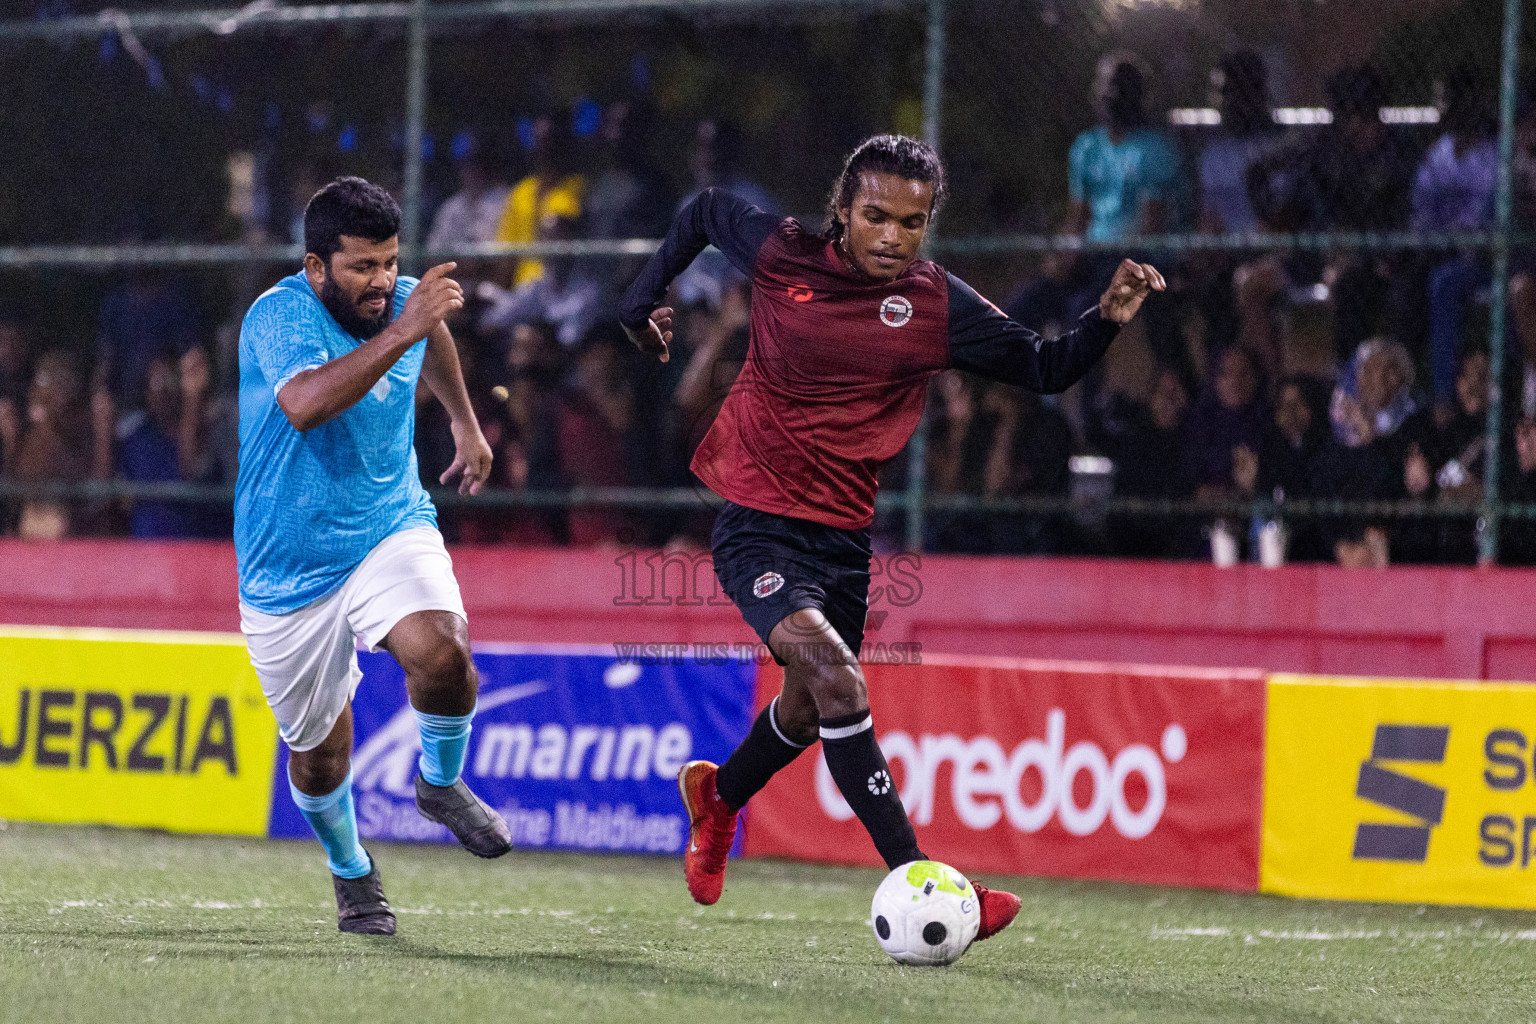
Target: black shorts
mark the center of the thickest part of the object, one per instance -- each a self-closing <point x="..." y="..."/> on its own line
<point x="773" y="566"/>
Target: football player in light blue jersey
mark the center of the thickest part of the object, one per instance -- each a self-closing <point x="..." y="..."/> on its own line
<point x="336" y="539"/>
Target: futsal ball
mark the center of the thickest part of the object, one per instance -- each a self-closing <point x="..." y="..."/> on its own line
<point x="925" y="913"/>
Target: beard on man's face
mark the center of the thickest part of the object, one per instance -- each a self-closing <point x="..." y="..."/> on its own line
<point x="346" y="312"/>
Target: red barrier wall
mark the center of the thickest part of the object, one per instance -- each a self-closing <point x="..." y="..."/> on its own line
<point x="1436" y="622"/>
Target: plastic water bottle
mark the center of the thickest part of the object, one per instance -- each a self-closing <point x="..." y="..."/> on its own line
<point x="1223" y="545"/>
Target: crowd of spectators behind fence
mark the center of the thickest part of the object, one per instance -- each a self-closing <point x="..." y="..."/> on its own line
<point x="1299" y="374"/>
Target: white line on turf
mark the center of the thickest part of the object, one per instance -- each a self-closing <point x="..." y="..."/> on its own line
<point x="1316" y="935"/>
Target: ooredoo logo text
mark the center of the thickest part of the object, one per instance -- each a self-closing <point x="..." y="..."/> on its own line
<point x="1082" y="787"/>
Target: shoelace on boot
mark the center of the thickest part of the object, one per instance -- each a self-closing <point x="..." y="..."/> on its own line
<point x="721" y="826"/>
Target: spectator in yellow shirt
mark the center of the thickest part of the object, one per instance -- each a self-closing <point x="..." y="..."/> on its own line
<point x="551" y="193"/>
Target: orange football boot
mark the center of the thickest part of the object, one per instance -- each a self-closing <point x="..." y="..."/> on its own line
<point x="998" y="909"/>
<point x="711" y="829"/>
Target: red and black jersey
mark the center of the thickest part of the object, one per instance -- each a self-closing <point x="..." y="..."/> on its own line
<point x="837" y="369"/>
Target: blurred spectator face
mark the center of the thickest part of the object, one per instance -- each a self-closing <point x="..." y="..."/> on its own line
<point x="597" y="367"/>
<point x="57" y="388"/>
<point x="623" y="131"/>
<point x="475" y="174"/>
<point x="1243" y="84"/>
<point x="533" y="349"/>
<point x="551" y="147"/>
<point x="1168" y="402"/>
<point x="13" y="350"/>
<point x="1472" y="384"/>
<point x="1235" y="382"/>
<point x="1460" y="101"/>
<point x="599" y="375"/>
<point x="307" y="180"/>
<point x="554" y="228"/>
<point x="163" y="392"/>
<point x="701" y="158"/>
<point x="1117" y="93"/>
<point x="1293" y="416"/>
<point x="615" y="122"/>
<point x="1380" y="379"/>
<point x="1356" y="96"/>
<point x="716" y="146"/>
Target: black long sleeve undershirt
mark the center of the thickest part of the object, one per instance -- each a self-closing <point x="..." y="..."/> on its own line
<point x="981" y="338"/>
<point x="984" y="341"/>
<point x="713" y="217"/>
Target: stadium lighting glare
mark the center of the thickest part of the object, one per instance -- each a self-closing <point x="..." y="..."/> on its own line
<point x="1116" y="6"/>
<point x="1410" y="115"/>
<point x="1210" y="116"/>
<point x="1194" y="116"/>
<point x="1090" y="465"/>
<point x="1303" y="115"/>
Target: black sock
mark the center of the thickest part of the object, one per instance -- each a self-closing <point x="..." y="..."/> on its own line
<point x="862" y="776"/>
<point x="764" y="752"/>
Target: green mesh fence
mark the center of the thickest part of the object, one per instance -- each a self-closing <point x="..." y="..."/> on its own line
<point x="1275" y="150"/>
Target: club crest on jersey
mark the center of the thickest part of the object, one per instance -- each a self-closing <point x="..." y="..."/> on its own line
<point x="895" y="311"/>
<point x="767" y="583"/>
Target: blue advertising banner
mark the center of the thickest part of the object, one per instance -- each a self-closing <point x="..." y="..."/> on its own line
<point x="578" y="750"/>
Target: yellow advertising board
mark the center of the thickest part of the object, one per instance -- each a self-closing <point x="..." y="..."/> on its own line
<point x="1406" y="791"/>
<point x="160" y="730"/>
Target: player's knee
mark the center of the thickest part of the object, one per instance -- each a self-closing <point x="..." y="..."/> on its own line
<point x="797" y="719"/>
<point x="446" y="671"/>
<point x="319" y="771"/>
<point x="838" y="689"/>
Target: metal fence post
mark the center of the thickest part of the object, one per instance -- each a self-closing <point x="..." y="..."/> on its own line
<point x="1488" y="539"/>
<point x="415" y="132"/>
<point x="933" y="98"/>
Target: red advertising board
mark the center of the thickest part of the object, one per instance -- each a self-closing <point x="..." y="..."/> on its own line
<point x="1078" y="770"/>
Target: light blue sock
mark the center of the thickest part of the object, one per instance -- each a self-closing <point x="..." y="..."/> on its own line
<point x="334" y="820"/>
<point x="444" y="746"/>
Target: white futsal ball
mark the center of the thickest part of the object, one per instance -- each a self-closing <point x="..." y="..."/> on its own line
<point x="925" y="913"/>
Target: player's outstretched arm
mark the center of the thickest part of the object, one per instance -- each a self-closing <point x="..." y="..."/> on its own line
<point x="713" y="217"/>
<point x="443" y="375"/>
<point x="984" y="341"/>
<point x="321" y="394"/>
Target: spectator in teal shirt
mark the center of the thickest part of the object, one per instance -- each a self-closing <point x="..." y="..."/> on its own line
<point x="1125" y="179"/>
<point x="1123" y="175"/>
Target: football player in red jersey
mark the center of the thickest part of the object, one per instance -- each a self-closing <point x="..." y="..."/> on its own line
<point x="847" y="327"/>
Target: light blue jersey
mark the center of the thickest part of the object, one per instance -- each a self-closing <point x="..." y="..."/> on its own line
<point x="1114" y="178"/>
<point x="310" y="506"/>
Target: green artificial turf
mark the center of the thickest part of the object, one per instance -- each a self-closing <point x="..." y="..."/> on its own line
<point x="105" y="925"/>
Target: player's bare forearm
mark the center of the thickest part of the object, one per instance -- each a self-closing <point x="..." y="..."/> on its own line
<point x="321" y="394"/>
<point x="443" y="375"/>
<point x="445" y="378"/>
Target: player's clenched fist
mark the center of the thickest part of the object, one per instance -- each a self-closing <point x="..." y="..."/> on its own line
<point x="1132" y="283"/>
<point x="434" y="299"/>
<point x="656" y="335"/>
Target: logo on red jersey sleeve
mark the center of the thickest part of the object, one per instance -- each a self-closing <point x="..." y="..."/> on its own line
<point x="895" y="311"/>
<point x="800" y="293"/>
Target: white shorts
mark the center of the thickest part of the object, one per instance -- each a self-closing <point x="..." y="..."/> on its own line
<point x="307" y="660"/>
